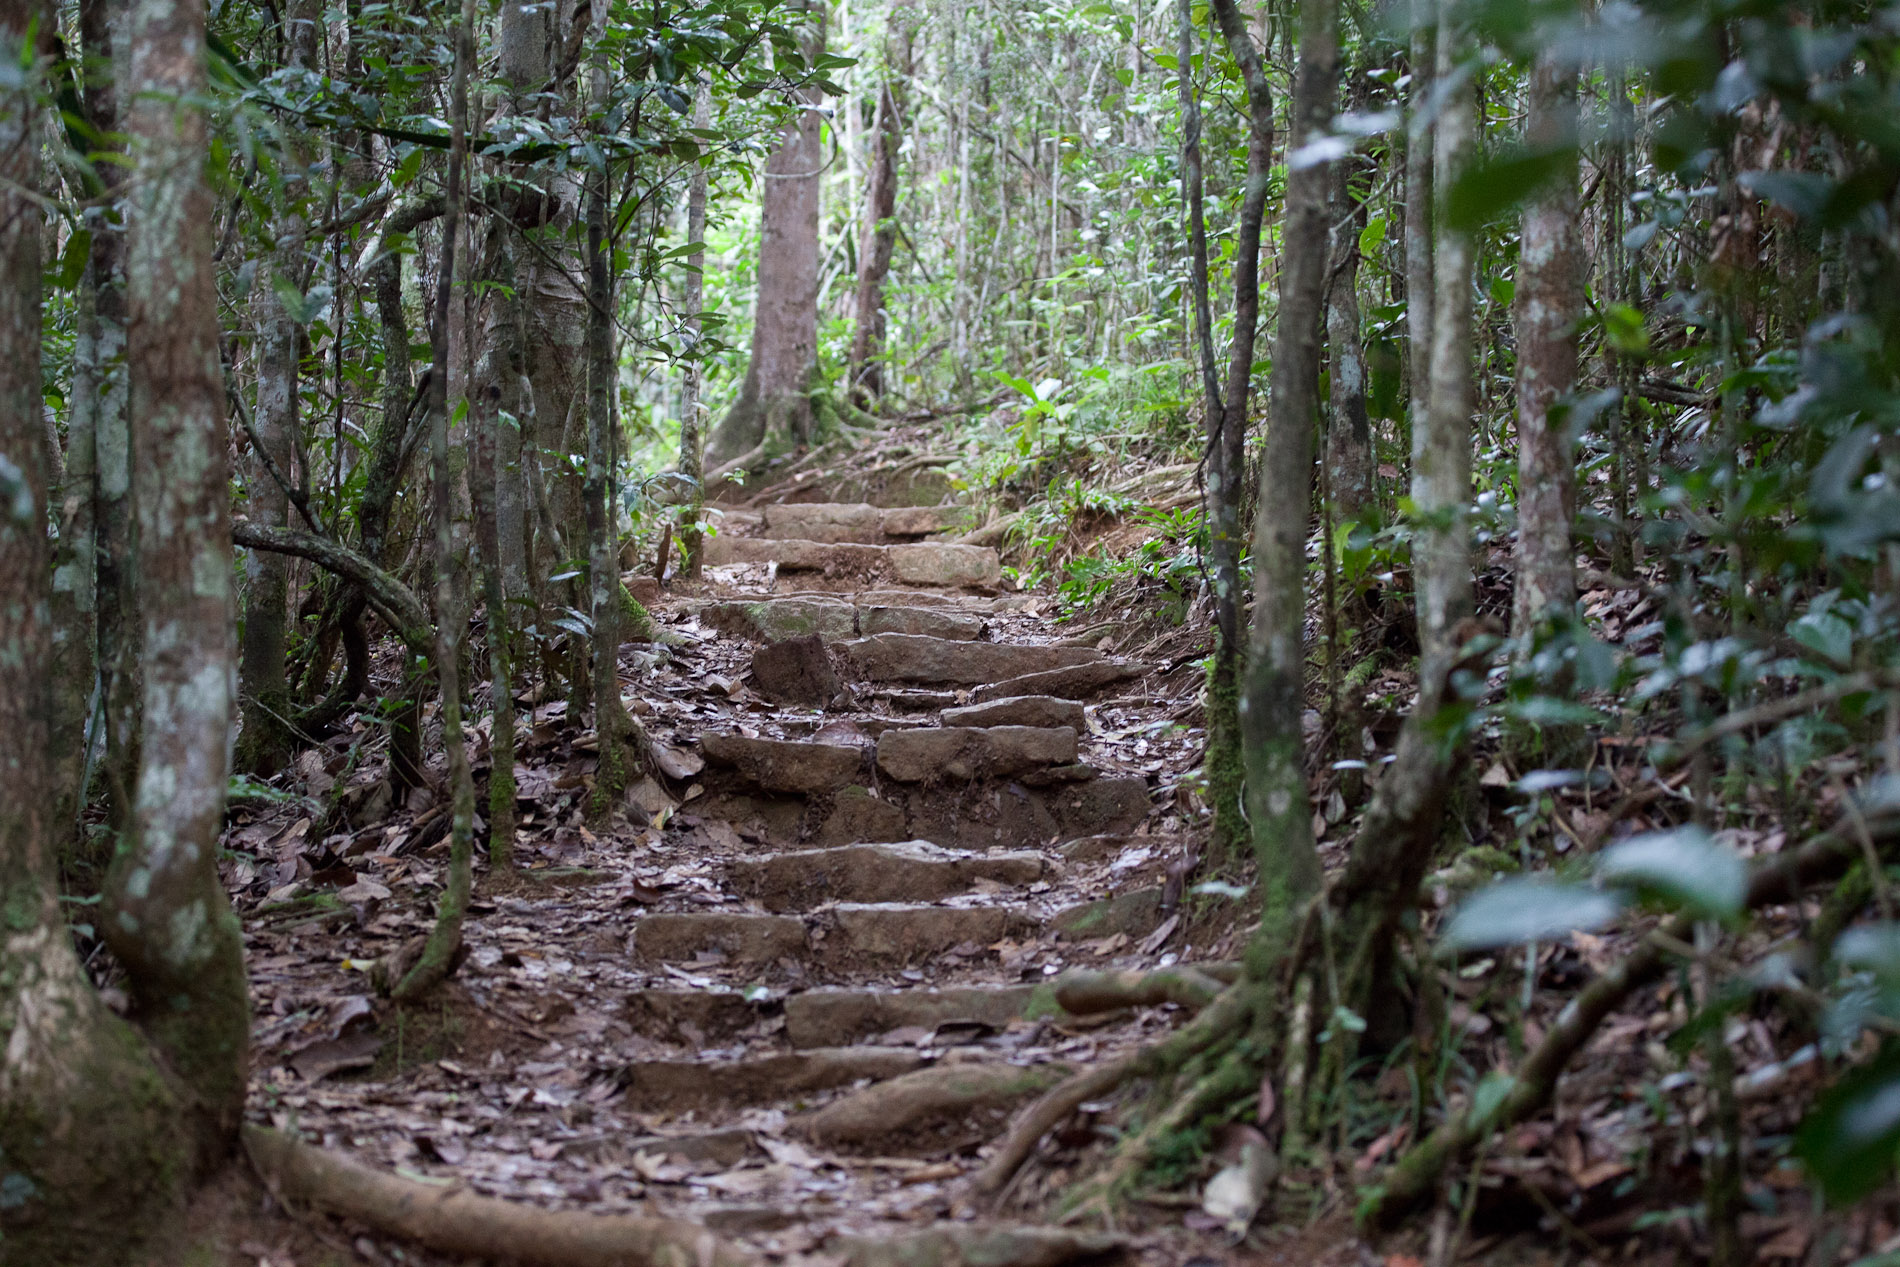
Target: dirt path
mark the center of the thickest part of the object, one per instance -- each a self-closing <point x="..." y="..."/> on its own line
<point x="804" y="987"/>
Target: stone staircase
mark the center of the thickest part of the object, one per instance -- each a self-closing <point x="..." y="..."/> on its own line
<point x="846" y="985"/>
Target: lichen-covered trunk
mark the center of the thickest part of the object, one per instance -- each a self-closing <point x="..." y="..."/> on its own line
<point x="1549" y="303"/>
<point x="442" y="949"/>
<point x="877" y="236"/>
<point x="1278" y="807"/>
<point x="1441" y="438"/>
<point x="692" y="296"/>
<point x="1349" y="464"/>
<point x="775" y="397"/>
<point x="88" y="1151"/>
<point x="166" y="915"/>
<point x="483" y="472"/>
<point x="1419" y="276"/>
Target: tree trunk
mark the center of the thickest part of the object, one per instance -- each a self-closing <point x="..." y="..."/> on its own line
<point x="166" y="916"/>
<point x="1349" y="464"/>
<point x="440" y="953"/>
<point x="485" y="425"/>
<point x="692" y="299"/>
<point x="1278" y="806"/>
<point x="612" y="726"/>
<point x="265" y="738"/>
<point x="775" y="398"/>
<point x="1225" y="763"/>
<point x="1549" y="302"/>
<point x="1419" y="283"/>
<point x="877" y="235"/>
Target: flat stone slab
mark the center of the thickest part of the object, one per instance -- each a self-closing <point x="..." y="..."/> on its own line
<point x="1072" y="681"/>
<point x="894" y="657"/>
<point x="911" y="871"/>
<point x="1135" y="913"/>
<point x="777" y="619"/>
<point x="694" y="1017"/>
<point x="824" y="1018"/>
<point x="674" y="1085"/>
<point x="930" y="622"/>
<point x="921" y="521"/>
<point x="1020" y="710"/>
<point x="780" y="765"/>
<point x="900" y="934"/>
<point x="740" y="936"/>
<point x="961" y="753"/>
<point x="926" y="563"/>
<point x="825" y="521"/>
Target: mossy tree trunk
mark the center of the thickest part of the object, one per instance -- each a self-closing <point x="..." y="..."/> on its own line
<point x="692" y="296"/>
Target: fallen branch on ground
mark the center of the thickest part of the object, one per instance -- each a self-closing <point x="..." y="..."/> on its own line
<point x="450" y="1219"/>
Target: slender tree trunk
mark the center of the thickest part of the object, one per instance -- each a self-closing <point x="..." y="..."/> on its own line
<point x="692" y="299"/>
<point x="775" y="397"/>
<point x="1225" y="764"/>
<point x="485" y="425"/>
<point x="612" y="726"/>
<point x="115" y="516"/>
<point x="265" y="739"/>
<point x="1549" y="302"/>
<point x="1278" y="806"/>
<point x="440" y="953"/>
<point x="1419" y="279"/>
<point x="877" y="235"/>
<point x="166" y="915"/>
<point x="1441" y="444"/>
<point x="1349" y="463"/>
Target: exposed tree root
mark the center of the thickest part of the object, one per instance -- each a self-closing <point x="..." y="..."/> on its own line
<point x="1415" y="1176"/>
<point x="1220" y="1018"/>
<point x="450" y="1219"/>
<point x="1191" y="986"/>
<point x="392" y="599"/>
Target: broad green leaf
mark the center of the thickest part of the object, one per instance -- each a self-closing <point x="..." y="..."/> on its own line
<point x="1511" y="912"/>
<point x="1847" y="1143"/>
<point x="1488" y="189"/>
<point x="1681" y="868"/>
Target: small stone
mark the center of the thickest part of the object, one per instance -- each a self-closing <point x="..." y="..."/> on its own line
<point x="796" y="671"/>
<point x="858" y="815"/>
<point x="930" y="563"/>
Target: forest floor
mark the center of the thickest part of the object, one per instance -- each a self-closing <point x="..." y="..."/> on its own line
<point x="797" y="988"/>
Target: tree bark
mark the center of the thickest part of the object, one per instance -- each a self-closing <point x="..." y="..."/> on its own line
<point x="692" y="298"/>
<point x="1225" y="763"/>
<point x="1278" y="806"/>
<point x="877" y="235"/>
<point x="775" y="397"/>
<point x="1419" y="280"/>
<point x="1549" y="302"/>
<point x="265" y="736"/>
<point x="1349" y="464"/>
<point x="442" y="950"/>
<point x="1441" y="442"/>
<point x="166" y="915"/>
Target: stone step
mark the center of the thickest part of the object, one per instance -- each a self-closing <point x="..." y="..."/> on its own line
<point x="859" y="522"/>
<point x="1020" y="710"/>
<point x="896" y="657"/>
<point x="910" y="871"/>
<point x="1074" y="680"/>
<point x="925" y="563"/>
<point x="826" y="1018"/>
<point x="962" y="753"/>
<point x="774" y="620"/>
<point x="713" y="1016"/>
<point x="679" y="1085"/>
<point x="783" y="765"/>
<point x="847" y="934"/>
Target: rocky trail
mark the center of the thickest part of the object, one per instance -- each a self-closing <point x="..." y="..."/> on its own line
<point x="797" y="992"/>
